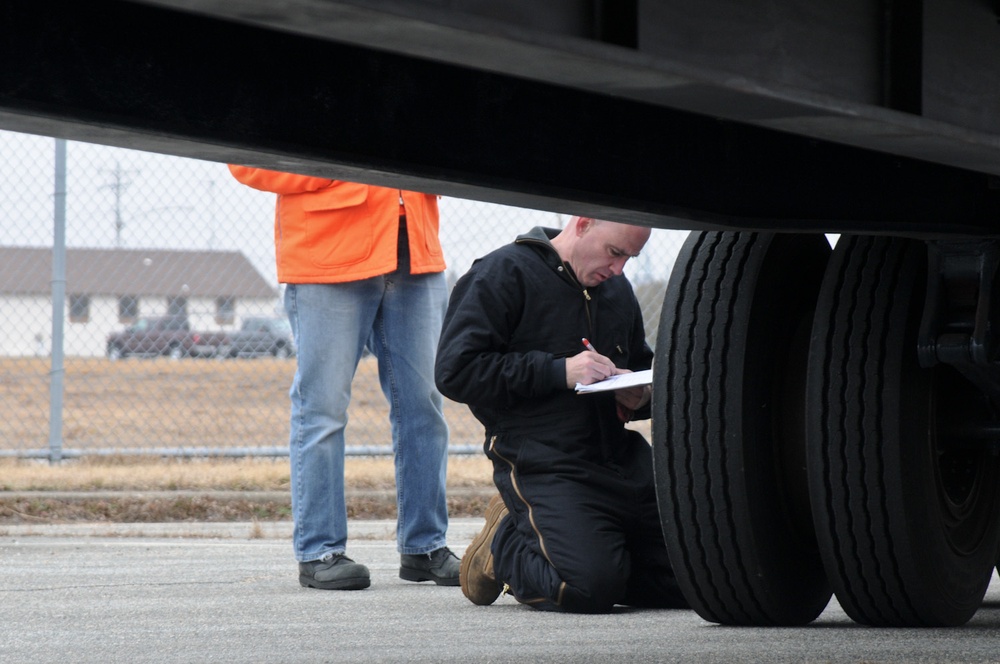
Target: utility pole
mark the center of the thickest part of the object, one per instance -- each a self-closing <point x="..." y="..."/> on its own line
<point x="118" y="186"/>
<point x="211" y="214"/>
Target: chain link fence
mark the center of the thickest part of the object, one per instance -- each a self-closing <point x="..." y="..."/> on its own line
<point x="158" y="241"/>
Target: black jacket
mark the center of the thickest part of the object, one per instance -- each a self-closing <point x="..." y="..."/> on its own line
<point x="512" y="321"/>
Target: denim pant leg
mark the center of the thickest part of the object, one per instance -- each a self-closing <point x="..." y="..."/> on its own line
<point x="404" y="339"/>
<point x="331" y="323"/>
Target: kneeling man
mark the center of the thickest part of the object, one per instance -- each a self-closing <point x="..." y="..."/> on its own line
<point x="575" y="526"/>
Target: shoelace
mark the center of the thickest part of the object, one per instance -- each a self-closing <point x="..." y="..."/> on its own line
<point x="440" y="555"/>
<point x="332" y="557"/>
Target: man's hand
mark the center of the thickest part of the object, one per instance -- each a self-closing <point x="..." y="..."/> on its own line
<point x="631" y="399"/>
<point x="588" y="367"/>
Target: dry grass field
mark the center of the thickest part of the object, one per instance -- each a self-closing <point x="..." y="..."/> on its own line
<point x="142" y="489"/>
<point x="119" y="415"/>
<point x="141" y="474"/>
<point x="191" y="404"/>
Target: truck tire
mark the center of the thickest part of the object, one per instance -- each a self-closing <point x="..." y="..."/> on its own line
<point x="175" y="353"/>
<point x="728" y="430"/>
<point x="115" y="352"/>
<point x="281" y="352"/>
<point x="907" y="522"/>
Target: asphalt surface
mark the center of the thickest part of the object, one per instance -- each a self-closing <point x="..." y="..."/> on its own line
<point x="229" y="593"/>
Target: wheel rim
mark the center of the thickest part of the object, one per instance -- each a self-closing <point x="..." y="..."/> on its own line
<point x="963" y="473"/>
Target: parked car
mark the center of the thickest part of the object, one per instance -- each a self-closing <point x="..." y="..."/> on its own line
<point x="262" y="336"/>
<point x="169" y="336"/>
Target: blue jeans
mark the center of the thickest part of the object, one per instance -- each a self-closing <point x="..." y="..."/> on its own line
<point x="398" y="316"/>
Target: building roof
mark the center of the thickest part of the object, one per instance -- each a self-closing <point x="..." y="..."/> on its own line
<point x="139" y="272"/>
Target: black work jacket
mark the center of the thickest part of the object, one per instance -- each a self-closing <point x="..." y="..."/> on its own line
<point x="512" y="321"/>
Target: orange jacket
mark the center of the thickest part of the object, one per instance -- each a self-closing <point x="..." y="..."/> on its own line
<point x="331" y="231"/>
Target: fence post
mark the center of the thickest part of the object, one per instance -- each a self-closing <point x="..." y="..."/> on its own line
<point x="58" y="370"/>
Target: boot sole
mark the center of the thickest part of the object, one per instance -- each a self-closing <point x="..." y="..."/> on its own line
<point x="356" y="583"/>
<point x="411" y="574"/>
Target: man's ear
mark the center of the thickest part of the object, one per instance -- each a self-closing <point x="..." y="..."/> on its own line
<point x="583" y="224"/>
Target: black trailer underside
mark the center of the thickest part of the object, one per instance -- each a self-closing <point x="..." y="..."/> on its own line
<point x="835" y="115"/>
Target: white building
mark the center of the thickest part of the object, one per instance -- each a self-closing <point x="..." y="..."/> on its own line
<point x="107" y="289"/>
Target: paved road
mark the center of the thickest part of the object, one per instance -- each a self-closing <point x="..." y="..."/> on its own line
<point x="228" y="593"/>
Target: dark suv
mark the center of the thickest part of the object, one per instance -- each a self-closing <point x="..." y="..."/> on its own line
<point x="164" y="335"/>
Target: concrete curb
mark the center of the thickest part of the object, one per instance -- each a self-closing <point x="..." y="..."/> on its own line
<point x="252" y="496"/>
<point x="460" y="530"/>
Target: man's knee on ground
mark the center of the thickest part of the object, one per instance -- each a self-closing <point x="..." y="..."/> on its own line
<point x="596" y="592"/>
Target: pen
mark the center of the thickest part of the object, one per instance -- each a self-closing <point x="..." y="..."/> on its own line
<point x="587" y="345"/>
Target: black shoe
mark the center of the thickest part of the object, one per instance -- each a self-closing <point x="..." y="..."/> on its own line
<point x="439" y="566"/>
<point x="334" y="572"/>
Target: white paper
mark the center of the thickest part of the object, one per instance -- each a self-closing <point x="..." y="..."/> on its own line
<point x="618" y="382"/>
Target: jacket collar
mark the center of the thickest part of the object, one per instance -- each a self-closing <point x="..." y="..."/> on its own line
<point x="539" y="234"/>
<point x="540" y="238"/>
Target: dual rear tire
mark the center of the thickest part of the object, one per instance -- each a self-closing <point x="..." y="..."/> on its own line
<point x="798" y="446"/>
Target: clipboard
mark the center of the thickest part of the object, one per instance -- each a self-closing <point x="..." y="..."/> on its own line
<point x="618" y="382"/>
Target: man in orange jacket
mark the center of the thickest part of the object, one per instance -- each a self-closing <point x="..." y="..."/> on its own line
<point x="363" y="266"/>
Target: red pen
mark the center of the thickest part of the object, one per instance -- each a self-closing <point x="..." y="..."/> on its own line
<point x="587" y="345"/>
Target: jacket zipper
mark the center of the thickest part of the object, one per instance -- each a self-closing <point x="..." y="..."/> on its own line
<point x="569" y="273"/>
<point x="586" y="308"/>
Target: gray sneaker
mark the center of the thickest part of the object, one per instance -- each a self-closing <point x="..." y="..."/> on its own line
<point x="439" y="566"/>
<point x="334" y="571"/>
